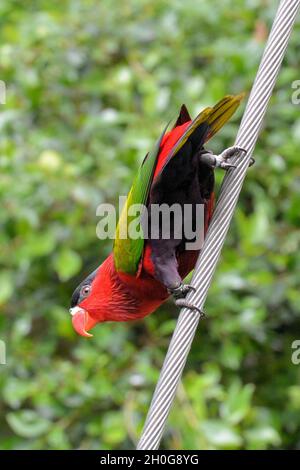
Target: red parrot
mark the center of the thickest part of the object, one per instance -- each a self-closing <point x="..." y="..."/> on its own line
<point x="140" y="274"/>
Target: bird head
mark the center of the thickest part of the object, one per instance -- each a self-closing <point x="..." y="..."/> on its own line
<point x="82" y="320"/>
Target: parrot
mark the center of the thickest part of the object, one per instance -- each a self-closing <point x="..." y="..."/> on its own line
<point x="142" y="273"/>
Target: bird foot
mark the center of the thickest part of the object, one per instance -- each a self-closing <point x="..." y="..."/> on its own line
<point x="179" y="293"/>
<point x="182" y="303"/>
<point x="227" y="154"/>
<point x="223" y="160"/>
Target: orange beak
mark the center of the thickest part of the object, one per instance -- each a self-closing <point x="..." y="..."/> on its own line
<point x="82" y="321"/>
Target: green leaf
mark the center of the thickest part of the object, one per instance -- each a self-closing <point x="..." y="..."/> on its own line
<point x="67" y="263"/>
<point x="238" y="402"/>
<point x="261" y="436"/>
<point x="6" y="286"/>
<point x="27" y="423"/>
<point x="221" y="435"/>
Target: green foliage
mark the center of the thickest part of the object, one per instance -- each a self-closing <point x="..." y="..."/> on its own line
<point x="90" y="86"/>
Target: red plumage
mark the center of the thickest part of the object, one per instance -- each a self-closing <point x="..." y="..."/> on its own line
<point x="178" y="175"/>
<point x="121" y="296"/>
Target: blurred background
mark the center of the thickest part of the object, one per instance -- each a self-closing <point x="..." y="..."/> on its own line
<point x="90" y="86"/>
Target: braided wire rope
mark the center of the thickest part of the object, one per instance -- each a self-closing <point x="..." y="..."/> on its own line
<point x="246" y="138"/>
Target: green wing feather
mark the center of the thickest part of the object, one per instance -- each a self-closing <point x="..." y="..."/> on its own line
<point x="128" y="251"/>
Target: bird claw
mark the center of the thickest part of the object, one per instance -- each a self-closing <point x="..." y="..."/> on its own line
<point x="221" y="160"/>
<point x="251" y="161"/>
<point x="182" y="303"/>
<point x="181" y="291"/>
<point x="225" y="166"/>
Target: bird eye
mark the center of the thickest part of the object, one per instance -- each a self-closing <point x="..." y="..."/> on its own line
<point x="85" y="290"/>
